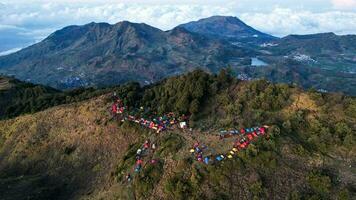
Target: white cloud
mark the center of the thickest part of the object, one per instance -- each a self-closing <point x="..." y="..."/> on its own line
<point x="282" y="22"/>
<point x="344" y="4"/>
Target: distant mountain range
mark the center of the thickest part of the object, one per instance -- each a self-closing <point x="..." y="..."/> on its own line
<point x="100" y="54"/>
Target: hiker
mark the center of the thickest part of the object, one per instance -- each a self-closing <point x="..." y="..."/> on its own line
<point x="128" y="178"/>
<point x="137" y="168"/>
<point x="146" y="145"/>
<point x="119" y="102"/>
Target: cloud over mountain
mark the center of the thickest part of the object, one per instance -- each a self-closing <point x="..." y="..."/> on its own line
<point x="344" y="4"/>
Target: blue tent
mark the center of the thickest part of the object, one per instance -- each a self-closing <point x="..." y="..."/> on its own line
<point x="206" y="160"/>
<point x="219" y="158"/>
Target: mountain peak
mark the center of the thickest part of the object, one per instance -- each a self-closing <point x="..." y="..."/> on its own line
<point x="220" y="18"/>
<point x="227" y="27"/>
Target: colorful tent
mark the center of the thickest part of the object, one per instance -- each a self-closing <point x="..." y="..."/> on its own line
<point x="220" y="157"/>
<point x="206" y="160"/>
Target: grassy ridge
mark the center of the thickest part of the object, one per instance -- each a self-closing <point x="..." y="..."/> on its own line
<point x="310" y="152"/>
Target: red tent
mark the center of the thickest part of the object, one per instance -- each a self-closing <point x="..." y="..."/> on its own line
<point x="249" y="136"/>
<point x="237" y="143"/>
<point x="121" y="110"/>
<point x="262" y="130"/>
<point x="254" y="134"/>
<point x="114" y="108"/>
<point x="139" y="162"/>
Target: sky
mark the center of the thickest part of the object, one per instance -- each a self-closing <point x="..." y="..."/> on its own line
<point x="24" y="22"/>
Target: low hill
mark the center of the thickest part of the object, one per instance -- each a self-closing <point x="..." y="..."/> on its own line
<point x="325" y="50"/>
<point x="79" y="151"/>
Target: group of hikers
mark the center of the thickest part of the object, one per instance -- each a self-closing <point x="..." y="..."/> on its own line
<point x="158" y="124"/>
<point x="247" y="136"/>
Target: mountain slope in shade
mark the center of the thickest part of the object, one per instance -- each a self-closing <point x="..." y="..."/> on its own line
<point x="102" y="54"/>
<point x="230" y="28"/>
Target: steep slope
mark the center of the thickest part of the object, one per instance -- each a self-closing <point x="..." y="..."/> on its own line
<point x="79" y="151"/>
<point x="66" y="152"/>
<point x="103" y="54"/>
<point x="225" y="27"/>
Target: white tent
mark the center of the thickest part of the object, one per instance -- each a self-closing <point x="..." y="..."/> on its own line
<point x="183" y="124"/>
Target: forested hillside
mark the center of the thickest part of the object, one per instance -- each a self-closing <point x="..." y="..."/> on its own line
<point x="84" y="151"/>
<point x="18" y="97"/>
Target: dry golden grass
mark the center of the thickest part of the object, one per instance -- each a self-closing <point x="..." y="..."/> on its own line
<point x="4" y="83"/>
<point x="76" y="141"/>
<point x="301" y="101"/>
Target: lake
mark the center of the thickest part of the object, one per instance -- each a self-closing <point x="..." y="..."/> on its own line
<point x="257" y="62"/>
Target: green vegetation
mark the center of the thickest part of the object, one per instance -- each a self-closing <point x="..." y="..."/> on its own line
<point x="308" y="153"/>
<point x="19" y="98"/>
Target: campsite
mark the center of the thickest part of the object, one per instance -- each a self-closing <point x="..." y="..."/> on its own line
<point x="224" y="138"/>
